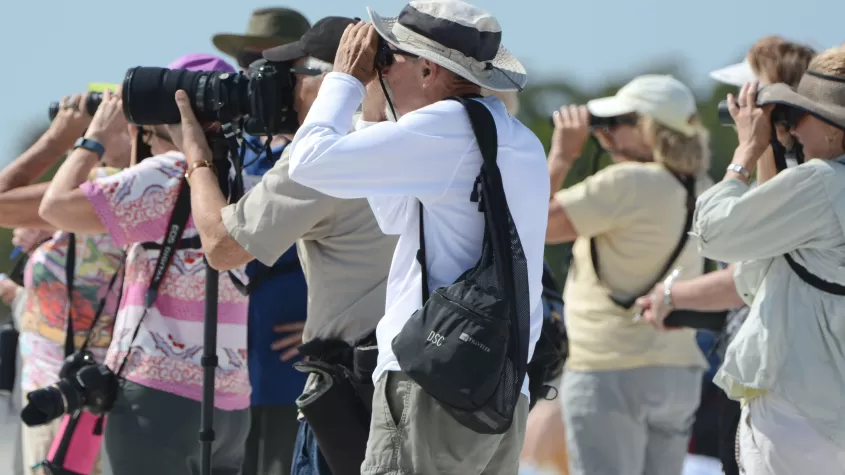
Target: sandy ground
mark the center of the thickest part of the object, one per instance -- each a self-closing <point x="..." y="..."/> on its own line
<point x="8" y="433"/>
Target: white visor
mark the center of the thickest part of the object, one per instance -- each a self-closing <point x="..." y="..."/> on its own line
<point x="736" y="74"/>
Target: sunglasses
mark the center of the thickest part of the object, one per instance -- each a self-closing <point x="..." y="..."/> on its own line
<point x="786" y="116"/>
<point x="386" y="55"/>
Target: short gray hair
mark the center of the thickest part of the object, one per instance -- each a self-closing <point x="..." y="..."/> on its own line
<point x="319" y="64"/>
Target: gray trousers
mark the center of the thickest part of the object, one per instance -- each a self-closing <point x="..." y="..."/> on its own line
<point x="411" y="434"/>
<point x="271" y="441"/>
<point x="629" y="422"/>
<point x="151" y="432"/>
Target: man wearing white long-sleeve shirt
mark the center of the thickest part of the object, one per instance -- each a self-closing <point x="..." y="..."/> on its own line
<point x="438" y="49"/>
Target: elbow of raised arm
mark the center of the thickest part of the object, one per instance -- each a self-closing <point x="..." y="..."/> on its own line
<point x="214" y="254"/>
<point x="223" y="253"/>
<point x="718" y="249"/>
<point x="559" y="228"/>
<point x="50" y="211"/>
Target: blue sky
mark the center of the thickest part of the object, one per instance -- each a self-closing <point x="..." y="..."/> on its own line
<point x="55" y="47"/>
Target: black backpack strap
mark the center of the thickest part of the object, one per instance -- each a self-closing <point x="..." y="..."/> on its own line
<point x="70" y="271"/>
<point x="421" y="258"/>
<point x="689" y="185"/>
<point x="482" y="124"/>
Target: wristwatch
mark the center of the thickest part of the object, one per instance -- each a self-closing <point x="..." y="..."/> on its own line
<point x="737" y="168"/>
<point x="667" y="287"/>
<point x="90" y="145"/>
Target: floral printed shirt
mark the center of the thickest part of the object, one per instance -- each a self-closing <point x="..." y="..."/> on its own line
<point x="135" y="206"/>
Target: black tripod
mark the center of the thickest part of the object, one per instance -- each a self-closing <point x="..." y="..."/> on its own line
<point x="220" y="149"/>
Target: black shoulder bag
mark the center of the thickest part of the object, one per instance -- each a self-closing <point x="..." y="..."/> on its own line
<point x="552" y="347"/>
<point x="712" y="321"/>
<point x="467" y="347"/>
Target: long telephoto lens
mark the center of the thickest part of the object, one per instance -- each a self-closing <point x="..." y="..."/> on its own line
<point x="92" y="102"/>
<point x="149" y="94"/>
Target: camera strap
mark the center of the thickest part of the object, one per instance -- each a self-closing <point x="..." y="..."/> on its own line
<point x="808" y="277"/>
<point x="70" y="273"/>
<point x="689" y="185"/>
<point x="175" y="229"/>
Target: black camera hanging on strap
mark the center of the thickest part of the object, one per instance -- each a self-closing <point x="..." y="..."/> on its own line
<point x="55" y="464"/>
<point x="712" y="321"/>
<point x="467" y="346"/>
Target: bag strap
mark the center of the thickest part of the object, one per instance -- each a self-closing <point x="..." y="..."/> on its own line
<point x="421" y="258"/>
<point x="689" y="185"/>
<point x="101" y="305"/>
<point x="488" y="145"/>
<point x="175" y="229"/>
<point x="70" y="271"/>
<point x="808" y="277"/>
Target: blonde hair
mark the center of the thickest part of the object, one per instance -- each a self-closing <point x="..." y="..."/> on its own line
<point x="830" y="62"/>
<point x="684" y="154"/>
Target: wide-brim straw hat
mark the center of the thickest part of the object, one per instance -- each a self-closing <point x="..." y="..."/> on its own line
<point x="820" y="95"/>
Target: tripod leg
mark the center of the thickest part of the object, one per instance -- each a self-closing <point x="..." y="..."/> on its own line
<point x="209" y="366"/>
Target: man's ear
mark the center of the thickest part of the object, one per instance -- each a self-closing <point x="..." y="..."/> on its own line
<point x="429" y="69"/>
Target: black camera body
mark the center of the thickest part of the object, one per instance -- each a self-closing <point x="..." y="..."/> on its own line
<point x="384" y="57"/>
<point x="261" y="102"/>
<point x="606" y="123"/>
<point x="83" y="383"/>
<point x="782" y="114"/>
<point x="92" y="102"/>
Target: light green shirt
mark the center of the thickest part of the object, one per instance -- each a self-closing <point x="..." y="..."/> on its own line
<point x="793" y="341"/>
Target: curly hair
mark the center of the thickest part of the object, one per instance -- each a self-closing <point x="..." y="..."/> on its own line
<point x="776" y="59"/>
<point x="830" y="62"/>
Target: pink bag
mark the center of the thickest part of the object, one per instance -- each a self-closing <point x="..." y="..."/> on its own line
<point x="77" y="445"/>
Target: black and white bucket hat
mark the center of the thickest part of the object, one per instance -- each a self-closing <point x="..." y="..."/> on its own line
<point x="458" y="36"/>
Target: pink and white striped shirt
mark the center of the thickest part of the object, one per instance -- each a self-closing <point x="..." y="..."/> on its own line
<point x="135" y="207"/>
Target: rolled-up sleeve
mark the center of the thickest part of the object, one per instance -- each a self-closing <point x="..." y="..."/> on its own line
<point x="790" y="211"/>
<point x="276" y="213"/>
<point x="748" y="277"/>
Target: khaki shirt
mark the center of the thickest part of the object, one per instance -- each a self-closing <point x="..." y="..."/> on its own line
<point x="636" y="213"/>
<point x="344" y="254"/>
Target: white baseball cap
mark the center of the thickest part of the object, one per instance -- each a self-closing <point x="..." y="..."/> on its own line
<point x="662" y="97"/>
<point x="735" y="75"/>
